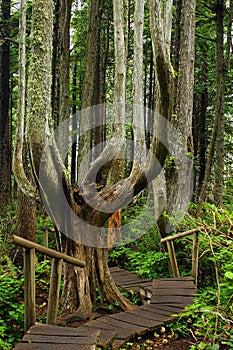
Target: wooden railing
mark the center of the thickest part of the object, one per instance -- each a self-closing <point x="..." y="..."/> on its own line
<point x="172" y="254"/>
<point x="30" y="249"/>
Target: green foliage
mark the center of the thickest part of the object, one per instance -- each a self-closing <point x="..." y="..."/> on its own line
<point x="209" y="319"/>
<point x="148" y="264"/>
<point x="11" y="286"/>
<point x="143" y="256"/>
<point x="11" y="304"/>
<point x="12" y="300"/>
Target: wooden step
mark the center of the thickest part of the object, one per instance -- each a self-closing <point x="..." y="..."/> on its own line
<point x="51" y="337"/>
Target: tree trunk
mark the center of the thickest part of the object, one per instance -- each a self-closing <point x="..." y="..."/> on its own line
<point x="202" y="128"/>
<point x="80" y="294"/>
<point x="74" y="125"/>
<point x="222" y="67"/>
<point x="179" y="169"/>
<point x="80" y="212"/>
<point x="39" y="80"/>
<point x="217" y="138"/>
<point x="5" y="116"/>
<point x="138" y="106"/>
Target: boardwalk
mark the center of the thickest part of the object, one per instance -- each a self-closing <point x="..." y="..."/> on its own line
<point x="168" y="296"/>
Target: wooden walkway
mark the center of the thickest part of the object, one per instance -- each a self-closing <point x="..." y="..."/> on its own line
<point x="168" y="296"/>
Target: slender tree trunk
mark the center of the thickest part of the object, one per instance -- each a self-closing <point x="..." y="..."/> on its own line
<point x="222" y="67"/>
<point x="220" y="92"/>
<point x="88" y="91"/>
<point x="138" y="106"/>
<point x="5" y="115"/>
<point x="121" y="51"/>
<point x="74" y="125"/>
<point x="202" y="127"/>
<point x="61" y="71"/>
<point x="217" y="139"/>
<point x="179" y="196"/>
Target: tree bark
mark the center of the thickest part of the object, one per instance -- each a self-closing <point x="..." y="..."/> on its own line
<point x="222" y="67"/>
<point x="138" y="106"/>
<point x="39" y="80"/>
<point x="26" y="186"/>
<point x="179" y="196"/>
<point x="5" y="116"/>
<point x="217" y="137"/>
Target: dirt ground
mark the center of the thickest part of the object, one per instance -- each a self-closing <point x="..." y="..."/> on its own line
<point x="182" y="344"/>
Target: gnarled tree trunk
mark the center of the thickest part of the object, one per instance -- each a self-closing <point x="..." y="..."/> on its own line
<point x="81" y="212"/>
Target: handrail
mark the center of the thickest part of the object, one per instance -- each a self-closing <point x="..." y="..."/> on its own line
<point x="172" y="254"/>
<point x="46" y="251"/>
<point x="29" y="279"/>
<point x="182" y="234"/>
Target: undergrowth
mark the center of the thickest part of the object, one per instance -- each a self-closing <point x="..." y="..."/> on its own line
<point x="208" y="320"/>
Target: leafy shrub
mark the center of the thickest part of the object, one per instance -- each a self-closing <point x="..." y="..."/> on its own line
<point x="209" y="319"/>
<point x="11" y="304"/>
<point x="148" y="264"/>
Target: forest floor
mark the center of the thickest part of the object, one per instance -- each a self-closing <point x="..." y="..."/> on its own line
<point x="150" y="344"/>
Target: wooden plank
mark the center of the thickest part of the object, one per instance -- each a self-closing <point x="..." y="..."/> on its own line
<point x="120" y="274"/>
<point x="139" y="282"/>
<point x="137" y="319"/>
<point x="44" y="329"/>
<point x="173" y="285"/>
<point x="164" y="309"/>
<point x="104" y="326"/>
<point x="154" y="314"/>
<point x="123" y="332"/>
<point x="41" y="346"/>
<point x="174" y="279"/>
<point x="55" y="339"/>
<point x="116" y="322"/>
<point x="174" y="291"/>
<point x="114" y="269"/>
<point x="105" y="336"/>
<point x="126" y="279"/>
<point x="171" y="299"/>
<point x="123" y="329"/>
<point x="118" y="343"/>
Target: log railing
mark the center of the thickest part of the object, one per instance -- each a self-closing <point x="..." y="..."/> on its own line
<point x="172" y="254"/>
<point x="30" y="249"/>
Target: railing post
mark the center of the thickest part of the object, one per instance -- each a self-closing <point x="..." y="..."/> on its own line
<point x="172" y="256"/>
<point x="54" y="291"/>
<point x="195" y="257"/>
<point x="29" y="288"/>
<point x="46" y="240"/>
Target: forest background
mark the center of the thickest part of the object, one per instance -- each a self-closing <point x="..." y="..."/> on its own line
<point x="170" y="58"/>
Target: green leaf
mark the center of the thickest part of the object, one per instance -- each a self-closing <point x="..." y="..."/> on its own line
<point x="215" y="347"/>
<point x="229" y="275"/>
